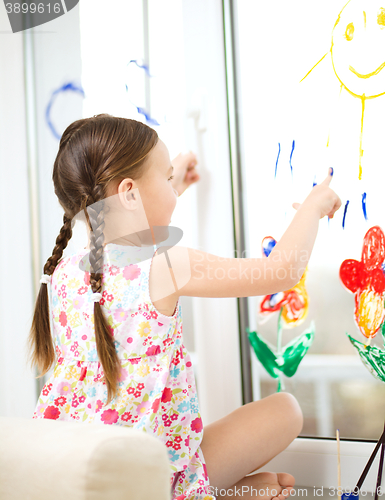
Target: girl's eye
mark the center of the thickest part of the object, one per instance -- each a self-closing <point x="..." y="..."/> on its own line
<point x="171" y="178"/>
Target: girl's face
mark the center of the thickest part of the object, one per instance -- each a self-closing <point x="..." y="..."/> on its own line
<point x="158" y="196"/>
<point x="135" y="206"/>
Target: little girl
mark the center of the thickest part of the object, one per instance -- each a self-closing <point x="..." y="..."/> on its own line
<point x="117" y="345"/>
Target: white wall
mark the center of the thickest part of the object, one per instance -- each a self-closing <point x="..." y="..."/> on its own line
<point x="55" y="58"/>
<point x="57" y="61"/>
<point x="17" y="385"/>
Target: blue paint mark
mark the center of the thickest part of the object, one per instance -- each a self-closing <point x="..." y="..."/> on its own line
<point x="275" y="298"/>
<point x="67" y="87"/>
<point x="268" y="246"/>
<point x="350" y="496"/>
<point x="364" y="205"/>
<point x="276" y="163"/>
<point x="291" y="154"/>
<point x="149" y="120"/>
<point x="345" y="210"/>
<point x="332" y="171"/>
<point x="142" y="111"/>
<point x="314" y="182"/>
<point x="143" y="66"/>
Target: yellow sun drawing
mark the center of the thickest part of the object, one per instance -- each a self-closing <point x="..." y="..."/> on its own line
<point x="358" y="53"/>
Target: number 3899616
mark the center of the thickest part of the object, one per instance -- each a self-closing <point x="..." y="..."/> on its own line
<point x="40" y="8"/>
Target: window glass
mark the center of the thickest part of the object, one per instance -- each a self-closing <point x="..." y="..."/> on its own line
<point x="311" y="83"/>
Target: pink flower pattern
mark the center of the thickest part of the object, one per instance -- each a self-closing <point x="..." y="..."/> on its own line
<point x="156" y="388"/>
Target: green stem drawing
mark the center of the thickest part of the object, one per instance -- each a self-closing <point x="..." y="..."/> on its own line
<point x="281" y="384"/>
<point x="279" y="361"/>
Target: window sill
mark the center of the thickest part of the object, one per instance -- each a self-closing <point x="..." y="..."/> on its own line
<point x="313" y="463"/>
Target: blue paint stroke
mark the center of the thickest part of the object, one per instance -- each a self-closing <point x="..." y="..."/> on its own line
<point x="364" y="205"/>
<point x="275" y="298"/>
<point x="332" y="171"/>
<point x="345" y="210"/>
<point x="314" y="182"/>
<point x="268" y="246"/>
<point x="149" y="120"/>
<point x="64" y="88"/>
<point x="142" y="111"/>
<point x="276" y="163"/>
<point x="291" y="154"/>
<point x="143" y="66"/>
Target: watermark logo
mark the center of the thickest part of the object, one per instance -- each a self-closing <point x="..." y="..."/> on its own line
<point x="28" y="14"/>
<point x="121" y="220"/>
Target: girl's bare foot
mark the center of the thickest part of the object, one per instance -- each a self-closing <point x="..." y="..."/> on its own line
<point x="273" y="486"/>
<point x="262" y="486"/>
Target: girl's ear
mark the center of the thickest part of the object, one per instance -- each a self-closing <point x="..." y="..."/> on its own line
<point x="128" y="194"/>
<point x="131" y="200"/>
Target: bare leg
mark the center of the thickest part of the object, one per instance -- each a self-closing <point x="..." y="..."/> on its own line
<point x="248" y="438"/>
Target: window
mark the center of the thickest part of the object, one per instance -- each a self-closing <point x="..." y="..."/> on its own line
<point x="287" y="124"/>
<point x="294" y="119"/>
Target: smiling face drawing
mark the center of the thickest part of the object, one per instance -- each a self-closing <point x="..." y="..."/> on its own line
<point x="358" y="48"/>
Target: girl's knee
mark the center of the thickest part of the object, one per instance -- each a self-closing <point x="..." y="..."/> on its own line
<point x="290" y="409"/>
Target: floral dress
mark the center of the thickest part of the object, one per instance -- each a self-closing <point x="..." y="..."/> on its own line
<point x="156" y="391"/>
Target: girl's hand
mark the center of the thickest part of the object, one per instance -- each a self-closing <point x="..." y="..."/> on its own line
<point x="184" y="171"/>
<point x="322" y="198"/>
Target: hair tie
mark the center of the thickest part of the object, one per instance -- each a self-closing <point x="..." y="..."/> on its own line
<point x="95" y="297"/>
<point x="45" y="278"/>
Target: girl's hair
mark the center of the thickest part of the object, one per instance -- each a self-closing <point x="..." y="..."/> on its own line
<point x="92" y="152"/>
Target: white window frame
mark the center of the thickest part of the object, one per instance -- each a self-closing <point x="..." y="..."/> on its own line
<point x="312" y="461"/>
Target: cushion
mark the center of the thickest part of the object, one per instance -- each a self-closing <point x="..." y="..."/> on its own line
<point x="45" y="459"/>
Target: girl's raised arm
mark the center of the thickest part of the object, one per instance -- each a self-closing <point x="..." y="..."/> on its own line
<point x="199" y="274"/>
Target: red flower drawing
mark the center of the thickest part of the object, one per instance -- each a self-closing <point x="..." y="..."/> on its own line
<point x="366" y="280"/>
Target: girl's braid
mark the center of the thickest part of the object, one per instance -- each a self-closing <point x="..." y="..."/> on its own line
<point x="104" y="341"/>
<point x="40" y="339"/>
<point x="61" y="243"/>
<point x="96" y="217"/>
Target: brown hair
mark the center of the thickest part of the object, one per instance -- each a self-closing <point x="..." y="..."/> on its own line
<point x="92" y="152"/>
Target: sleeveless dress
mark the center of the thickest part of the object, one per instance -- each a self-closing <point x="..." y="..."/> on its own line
<point x="156" y="391"/>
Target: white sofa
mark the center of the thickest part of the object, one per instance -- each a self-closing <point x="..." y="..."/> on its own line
<point x="46" y="459"/>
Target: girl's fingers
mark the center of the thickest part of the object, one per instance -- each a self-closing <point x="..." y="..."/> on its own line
<point x="328" y="177"/>
<point x="336" y="206"/>
<point x="296" y="205"/>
